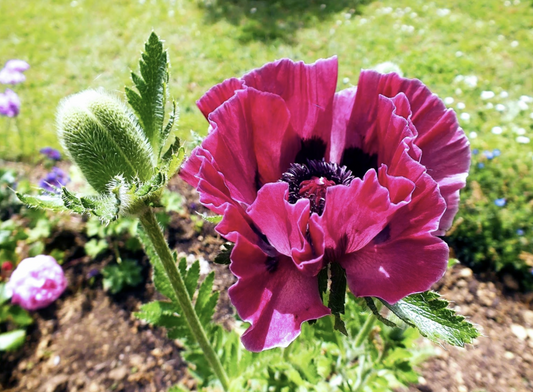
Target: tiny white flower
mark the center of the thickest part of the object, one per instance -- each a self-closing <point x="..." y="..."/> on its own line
<point x="523" y="140"/>
<point x="516" y="2"/>
<point x="459" y="78"/>
<point x="520" y="131"/>
<point x="461" y="105"/>
<point x="514" y="44"/>
<point x="449" y="101"/>
<point x="497" y="130"/>
<point x="459" y="54"/>
<point x="487" y="94"/>
<point x="346" y="80"/>
<point x="531" y="115"/>
<point x="473" y="135"/>
<point x="526" y="98"/>
<point x="507" y="3"/>
<point x="443" y="11"/>
<point x="504" y="94"/>
<point x="500" y="107"/>
<point x="523" y="105"/>
<point x="489" y="105"/>
<point x="458" y="91"/>
<point x="501" y="37"/>
<point x="465" y="117"/>
<point x="471" y="80"/>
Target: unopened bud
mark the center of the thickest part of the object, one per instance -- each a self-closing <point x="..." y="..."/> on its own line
<point x="102" y="136"/>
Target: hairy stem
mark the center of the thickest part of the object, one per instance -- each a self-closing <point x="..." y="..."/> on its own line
<point x="155" y="234"/>
<point x="365" y="330"/>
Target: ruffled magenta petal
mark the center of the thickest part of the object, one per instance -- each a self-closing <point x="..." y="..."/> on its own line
<point x="308" y="90"/>
<point x="251" y="141"/>
<point x="405" y="258"/>
<point x="287" y="226"/>
<point x="397" y="268"/>
<point x="445" y="148"/>
<point x="275" y="302"/>
<point x="355" y="214"/>
<point x="342" y="110"/>
<point x="217" y="95"/>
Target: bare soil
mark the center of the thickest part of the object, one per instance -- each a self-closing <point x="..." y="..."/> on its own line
<point x="89" y="340"/>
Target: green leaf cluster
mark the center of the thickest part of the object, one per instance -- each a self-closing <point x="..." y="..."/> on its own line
<point x="16" y="320"/>
<point x="118" y="276"/>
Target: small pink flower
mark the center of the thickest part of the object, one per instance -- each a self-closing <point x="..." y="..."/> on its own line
<point x="36" y="282"/>
<point x="367" y="177"/>
<point x="9" y="103"/>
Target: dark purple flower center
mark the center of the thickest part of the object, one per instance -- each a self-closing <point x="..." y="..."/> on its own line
<point x="310" y="180"/>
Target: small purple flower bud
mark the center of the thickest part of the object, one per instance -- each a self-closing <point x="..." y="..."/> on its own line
<point x="51" y="153"/>
<point x="36" y="282"/>
<point x="496" y="152"/>
<point x="54" y="180"/>
<point x="488" y="154"/>
<point x="500" y="202"/>
<point x="12" y="73"/>
<point x="475" y="151"/>
<point x="520" y="232"/>
<point x="480" y="165"/>
<point x="9" y="104"/>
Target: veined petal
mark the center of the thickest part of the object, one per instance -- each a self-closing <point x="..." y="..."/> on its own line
<point x="308" y="91"/>
<point x="445" y="148"/>
<point x="274" y="300"/>
<point x="251" y="141"/>
<point x="355" y="214"/>
<point x="406" y="257"/>
<point x="396" y="268"/>
<point x="342" y="110"/>
<point x="287" y="227"/>
<point x="218" y="94"/>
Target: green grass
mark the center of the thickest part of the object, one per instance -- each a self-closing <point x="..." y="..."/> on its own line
<point x="74" y="45"/>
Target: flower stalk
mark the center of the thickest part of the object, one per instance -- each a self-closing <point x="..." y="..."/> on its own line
<point x="155" y="234"/>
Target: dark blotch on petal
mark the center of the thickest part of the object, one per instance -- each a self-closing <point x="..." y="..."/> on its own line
<point x="382" y="236"/>
<point x="314" y="148"/>
<point x="358" y="161"/>
<point x="271" y="264"/>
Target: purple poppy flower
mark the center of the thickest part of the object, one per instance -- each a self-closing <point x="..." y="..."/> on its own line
<point x="51" y="153"/>
<point x="9" y="103"/>
<point x="54" y="180"/>
<point x="36" y="282"/>
<point x="12" y="73"/>
<point x="367" y="177"/>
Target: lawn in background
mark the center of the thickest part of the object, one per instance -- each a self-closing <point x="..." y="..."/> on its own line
<point x="457" y="48"/>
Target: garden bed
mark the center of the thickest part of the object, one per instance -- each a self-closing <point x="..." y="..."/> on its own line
<point x="90" y="340"/>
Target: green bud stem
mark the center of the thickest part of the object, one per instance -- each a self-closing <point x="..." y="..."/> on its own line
<point x="153" y="230"/>
<point x="365" y="330"/>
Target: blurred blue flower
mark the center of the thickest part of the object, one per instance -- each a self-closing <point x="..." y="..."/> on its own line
<point x="496" y="152"/>
<point x="480" y="165"/>
<point x="488" y="154"/>
<point x="475" y="151"/>
<point x="51" y="153"/>
<point x="520" y="232"/>
<point x="54" y="180"/>
<point x="9" y="104"/>
<point x="500" y="202"/>
<point x="12" y="73"/>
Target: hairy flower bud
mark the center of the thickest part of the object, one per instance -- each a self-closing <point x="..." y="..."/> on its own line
<point x="102" y="136"/>
<point x="37" y="282"/>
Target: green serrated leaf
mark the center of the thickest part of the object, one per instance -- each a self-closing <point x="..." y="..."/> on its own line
<point x="160" y="278"/>
<point x="191" y="277"/>
<point x="12" y="340"/>
<point x="372" y="306"/>
<point x="224" y="256"/>
<point x="149" y="102"/>
<point x="71" y="201"/>
<point x="429" y="313"/>
<point x="106" y="207"/>
<point x="168" y="129"/>
<point x="159" y="313"/>
<point x="210" y="218"/>
<point x="46" y="202"/>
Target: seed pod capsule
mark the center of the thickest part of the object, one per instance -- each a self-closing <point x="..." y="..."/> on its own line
<point x="101" y="135"/>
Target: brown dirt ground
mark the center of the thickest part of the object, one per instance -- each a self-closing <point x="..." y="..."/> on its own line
<point x="90" y="341"/>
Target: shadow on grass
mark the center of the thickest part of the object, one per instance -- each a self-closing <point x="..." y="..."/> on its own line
<point x="270" y="20"/>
